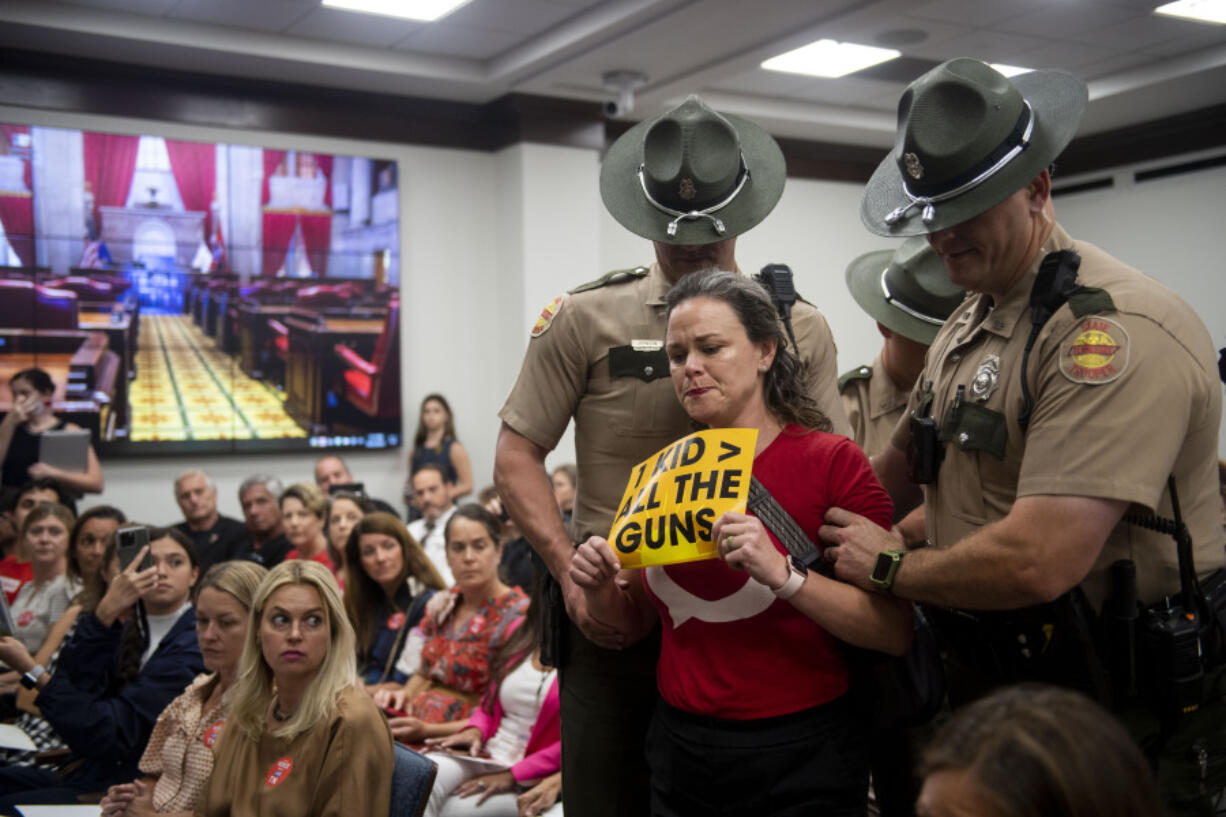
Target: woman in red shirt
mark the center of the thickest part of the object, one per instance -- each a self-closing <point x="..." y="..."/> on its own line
<point x="753" y="717"/>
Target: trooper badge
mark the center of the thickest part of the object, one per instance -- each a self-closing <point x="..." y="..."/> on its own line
<point x="914" y="169"/>
<point x="987" y="378"/>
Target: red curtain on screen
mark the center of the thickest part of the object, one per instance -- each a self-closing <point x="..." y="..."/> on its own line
<point x="194" y="165"/>
<point x="17" y="206"/>
<point x="110" y="159"/>
<point x="317" y="227"/>
<point x="278" y="226"/>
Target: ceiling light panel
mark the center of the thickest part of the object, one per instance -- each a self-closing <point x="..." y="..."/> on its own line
<point x="1010" y="70"/>
<point x="1202" y="11"/>
<point x="425" y="10"/>
<point x="829" y="58"/>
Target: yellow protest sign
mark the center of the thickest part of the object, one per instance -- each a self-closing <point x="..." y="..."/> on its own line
<point x="674" y="497"/>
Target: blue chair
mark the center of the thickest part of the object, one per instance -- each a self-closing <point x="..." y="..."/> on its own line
<point x="412" y="779"/>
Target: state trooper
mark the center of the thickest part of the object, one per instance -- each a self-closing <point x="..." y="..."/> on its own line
<point x="690" y="181"/>
<point x="1064" y="427"/>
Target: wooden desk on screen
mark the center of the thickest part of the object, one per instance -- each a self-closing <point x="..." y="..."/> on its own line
<point x="120" y="337"/>
<point x="255" y="336"/>
<point x="83" y="369"/>
<point x="313" y="368"/>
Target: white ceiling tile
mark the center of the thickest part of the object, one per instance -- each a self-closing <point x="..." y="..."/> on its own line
<point x="991" y="46"/>
<point x="466" y="42"/>
<point x="1065" y="19"/>
<point x="1064" y="56"/>
<point x="265" y="15"/>
<point x="518" y="16"/>
<point x="1113" y="65"/>
<point x="761" y="81"/>
<point x="936" y="33"/>
<point x="348" y="27"/>
<point x="1187" y="44"/>
<point x="151" y="7"/>
<point x="844" y="90"/>
<point x="1140" y="32"/>
<point x="977" y="12"/>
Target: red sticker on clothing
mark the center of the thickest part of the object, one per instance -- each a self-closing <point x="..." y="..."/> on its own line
<point x="25" y="618"/>
<point x="476" y="624"/>
<point x="279" y="771"/>
<point x="210" y="735"/>
<point x="395" y="621"/>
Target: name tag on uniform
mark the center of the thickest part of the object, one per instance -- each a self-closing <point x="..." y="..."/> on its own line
<point x="646" y="345"/>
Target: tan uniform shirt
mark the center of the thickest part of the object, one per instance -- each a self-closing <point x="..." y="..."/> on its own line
<point x="1121" y="400"/>
<point x="873" y="405"/>
<point x="341" y="767"/>
<point x="586" y="365"/>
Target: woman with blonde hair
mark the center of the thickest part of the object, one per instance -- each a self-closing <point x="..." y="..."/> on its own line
<point x="41" y="601"/>
<point x="301" y="739"/>
<point x="304" y="510"/>
<point x="179" y="756"/>
<point x="390" y="581"/>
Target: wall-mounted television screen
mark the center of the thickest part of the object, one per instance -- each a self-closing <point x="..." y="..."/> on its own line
<point x="201" y="297"/>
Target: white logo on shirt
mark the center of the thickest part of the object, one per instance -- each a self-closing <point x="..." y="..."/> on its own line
<point x="748" y="601"/>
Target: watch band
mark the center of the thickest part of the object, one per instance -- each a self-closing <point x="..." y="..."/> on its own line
<point x="30" y="679"/>
<point x="796" y="579"/>
<point x="885" y="570"/>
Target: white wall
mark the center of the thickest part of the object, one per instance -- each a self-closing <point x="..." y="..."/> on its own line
<point x="1170" y="228"/>
<point x="488" y="239"/>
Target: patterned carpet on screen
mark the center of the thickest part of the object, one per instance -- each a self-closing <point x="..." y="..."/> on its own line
<point x="188" y="389"/>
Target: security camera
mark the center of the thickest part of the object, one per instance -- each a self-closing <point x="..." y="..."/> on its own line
<point x="624" y="84"/>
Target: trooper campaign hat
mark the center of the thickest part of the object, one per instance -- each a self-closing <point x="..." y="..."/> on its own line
<point x="968" y="138"/>
<point x="906" y="290"/>
<point x="692" y="176"/>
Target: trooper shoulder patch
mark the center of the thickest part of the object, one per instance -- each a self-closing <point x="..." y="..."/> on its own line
<point x="550" y="312"/>
<point x="1095" y="351"/>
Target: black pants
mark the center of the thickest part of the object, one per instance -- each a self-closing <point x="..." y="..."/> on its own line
<point x="607" y="697"/>
<point x="808" y="763"/>
<point x="32" y="785"/>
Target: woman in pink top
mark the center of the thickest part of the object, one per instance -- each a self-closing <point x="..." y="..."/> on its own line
<point x="512" y="740"/>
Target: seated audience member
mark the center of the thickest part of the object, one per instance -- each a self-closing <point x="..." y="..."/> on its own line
<point x="113" y="678"/>
<point x="91" y="547"/>
<point x="542" y="799"/>
<point x="344" y="511"/>
<point x="432" y="500"/>
<point x="179" y="757"/>
<point x="15" y="569"/>
<point x="305" y="510"/>
<point x="1035" y="751"/>
<point x="31" y="415"/>
<point x="518" y="566"/>
<point x="91" y="562"/>
<point x="390" y="582"/>
<point x="42" y="600"/>
<point x="260" y="498"/>
<point x="216" y="537"/>
<point x="301" y="739"/>
<point x="565" y="479"/>
<point x="332" y="474"/>
<point x="754" y="715"/>
<point x="460" y="640"/>
<point x="516" y="725"/>
<point x="435" y="443"/>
